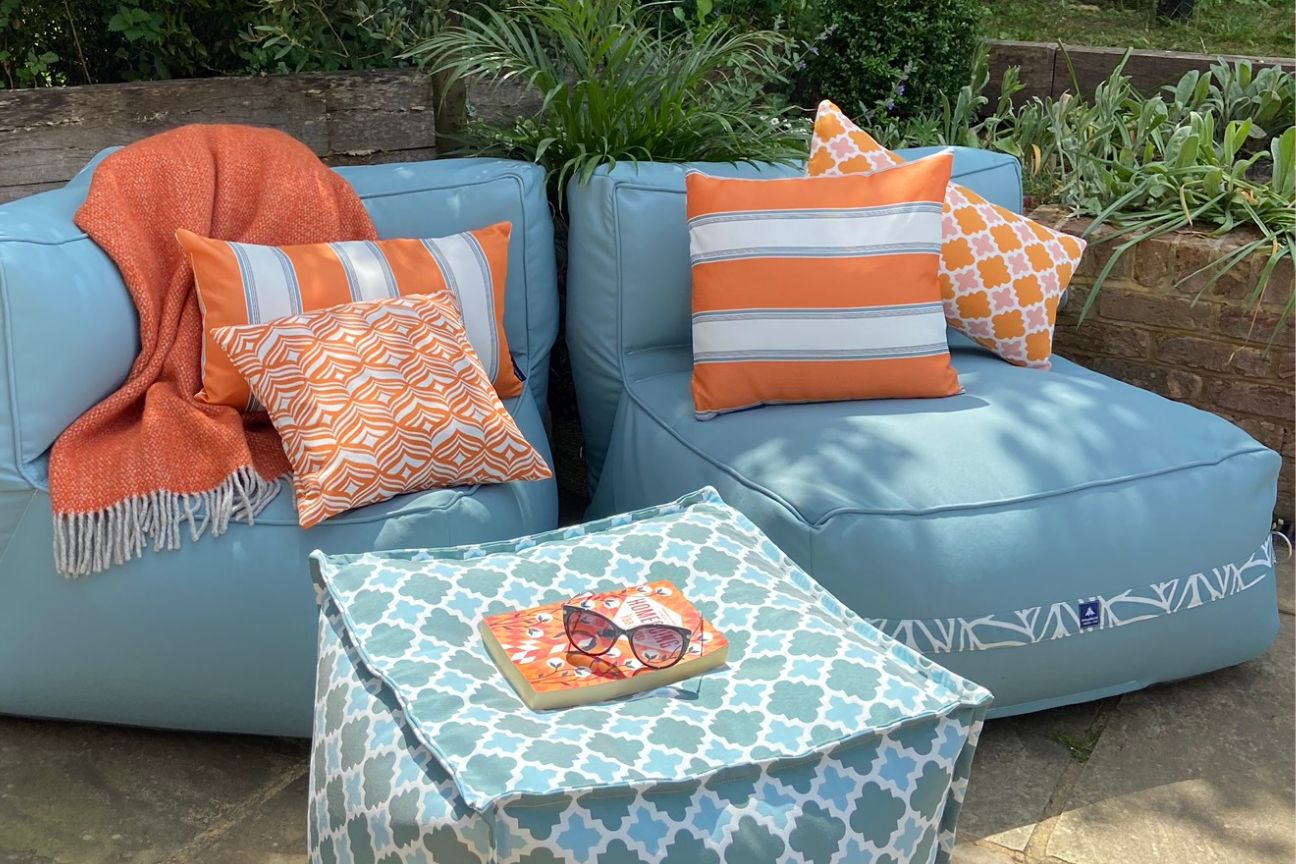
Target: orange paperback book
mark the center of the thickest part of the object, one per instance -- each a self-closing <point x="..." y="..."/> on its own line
<point x="602" y="646"/>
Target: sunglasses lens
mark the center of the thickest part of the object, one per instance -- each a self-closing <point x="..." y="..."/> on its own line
<point x="589" y="632"/>
<point x="658" y="647"/>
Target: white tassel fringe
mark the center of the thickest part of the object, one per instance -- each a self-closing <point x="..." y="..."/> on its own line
<point x="87" y="543"/>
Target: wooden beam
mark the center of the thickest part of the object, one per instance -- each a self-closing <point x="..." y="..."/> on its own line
<point x="1044" y="68"/>
<point x="1035" y="59"/>
<point x="47" y="134"/>
<point x="1148" y="71"/>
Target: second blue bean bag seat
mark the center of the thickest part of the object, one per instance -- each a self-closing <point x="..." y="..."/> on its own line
<point x="1054" y="536"/>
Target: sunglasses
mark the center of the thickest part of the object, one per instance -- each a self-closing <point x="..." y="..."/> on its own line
<point x="656" y="646"/>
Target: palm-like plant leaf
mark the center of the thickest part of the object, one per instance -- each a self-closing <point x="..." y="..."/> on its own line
<point x="613" y="87"/>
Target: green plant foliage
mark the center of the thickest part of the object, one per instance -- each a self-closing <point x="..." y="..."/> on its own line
<point x="613" y="87"/>
<point x="962" y="121"/>
<point x="901" y="53"/>
<point x="1215" y="152"/>
<point x="1235" y="91"/>
<point x="1249" y="27"/>
<point x="157" y="39"/>
<point x="24" y="62"/>
<point x="51" y="42"/>
<point x="1149" y="167"/>
<point x="797" y="17"/>
<point x="301" y="35"/>
<point x="31" y="48"/>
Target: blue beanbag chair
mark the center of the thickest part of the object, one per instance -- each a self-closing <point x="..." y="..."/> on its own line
<point x="1054" y="536"/>
<point x="220" y="634"/>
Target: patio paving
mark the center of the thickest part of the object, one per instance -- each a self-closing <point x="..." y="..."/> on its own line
<point x="1196" y="772"/>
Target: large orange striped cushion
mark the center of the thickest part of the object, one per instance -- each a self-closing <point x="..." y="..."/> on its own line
<point x="377" y="398"/>
<point x="1002" y="275"/>
<point x="243" y="283"/>
<point x="817" y="289"/>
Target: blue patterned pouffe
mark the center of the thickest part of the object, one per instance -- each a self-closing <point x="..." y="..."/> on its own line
<point x="821" y="739"/>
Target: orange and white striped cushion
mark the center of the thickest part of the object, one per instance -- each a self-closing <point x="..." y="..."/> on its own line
<point x="817" y="289"/>
<point x="378" y="398"/>
<point x="243" y="283"/>
<point x="1002" y="275"/>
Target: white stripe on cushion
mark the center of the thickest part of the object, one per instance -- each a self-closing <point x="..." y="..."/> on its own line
<point x="367" y="271"/>
<point x="781" y="233"/>
<point x="464" y="268"/>
<point x="269" y="284"/>
<point x="819" y="355"/>
<point x="815" y="213"/>
<point x="757" y="252"/>
<point x="826" y="334"/>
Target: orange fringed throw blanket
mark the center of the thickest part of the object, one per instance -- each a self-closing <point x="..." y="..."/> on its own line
<point x="151" y="459"/>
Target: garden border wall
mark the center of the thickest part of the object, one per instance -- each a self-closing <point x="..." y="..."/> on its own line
<point x="1044" y="70"/>
<point x="1217" y="351"/>
<point x="47" y="134"/>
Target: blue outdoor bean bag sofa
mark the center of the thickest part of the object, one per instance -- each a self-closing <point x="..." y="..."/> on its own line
<point x="219" y="635"/>
<point x="1054" y="536"/>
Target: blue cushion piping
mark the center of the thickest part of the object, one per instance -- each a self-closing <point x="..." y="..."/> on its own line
<point x="6" y="318"/>
<point x="4" y="550"/>
<point x="926" y="511"/>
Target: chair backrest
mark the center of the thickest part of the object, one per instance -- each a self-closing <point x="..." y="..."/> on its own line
<point x="68" y="331"/>
<point x="628" y="278"/>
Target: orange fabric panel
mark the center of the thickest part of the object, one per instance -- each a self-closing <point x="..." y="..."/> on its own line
<point x="321" y="281"/>
<point x="494" y="240"/>
<point x="827" y="381"/>
<point x="220" y="297"/>
<point x="413" y="268"/>
<point x="706" y="195"/>
<point x="824" y="283"/>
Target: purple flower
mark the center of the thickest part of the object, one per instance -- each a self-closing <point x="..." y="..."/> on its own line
<point x="900" y="89"/>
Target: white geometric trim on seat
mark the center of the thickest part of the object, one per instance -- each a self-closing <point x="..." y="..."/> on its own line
<point x="1085" y="615"/>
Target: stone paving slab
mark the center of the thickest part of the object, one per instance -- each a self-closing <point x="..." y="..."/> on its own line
<point x="74" y="793"/>
<point x="969" y="853"/>
<point x="1018" y="763"/>
<point x="1197" y="772"/>
<point x="1286" y="578"/>
<point x="275" y="835"/>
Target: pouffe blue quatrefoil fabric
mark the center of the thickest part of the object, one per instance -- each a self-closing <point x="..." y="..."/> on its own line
<point x="821" y="740"/>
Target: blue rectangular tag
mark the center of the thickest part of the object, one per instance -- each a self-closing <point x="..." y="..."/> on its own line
<point x="1089" y="613"/>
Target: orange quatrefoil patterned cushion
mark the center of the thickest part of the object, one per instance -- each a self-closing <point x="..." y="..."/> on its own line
<point x="377" y="398"/>
<point x="1001" y="274"/>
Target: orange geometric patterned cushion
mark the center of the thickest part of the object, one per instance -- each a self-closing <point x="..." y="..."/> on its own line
<point x="245" y="283"/>
<point x="378" y="398"/>
<point x="1001" y="274"/>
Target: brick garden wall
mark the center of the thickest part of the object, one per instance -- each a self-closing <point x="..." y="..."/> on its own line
<point x="1213" y="353"/>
